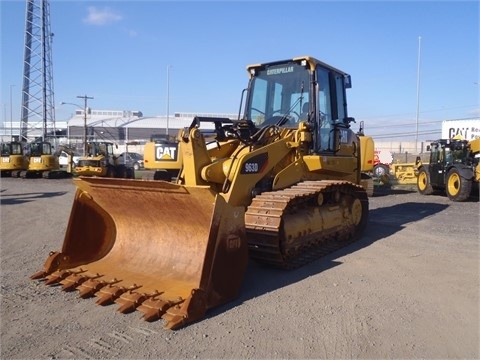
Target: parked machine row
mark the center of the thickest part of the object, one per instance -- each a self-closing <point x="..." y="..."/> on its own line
<point x="40" y="160"/>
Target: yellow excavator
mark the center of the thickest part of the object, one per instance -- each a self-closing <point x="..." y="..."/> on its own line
<point x="279" y="185"/>
<point x="42" y="162"/>
<point x="12" y="159"/>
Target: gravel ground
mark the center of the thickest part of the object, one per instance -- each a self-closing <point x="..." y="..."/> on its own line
<point x="409" y="288"/>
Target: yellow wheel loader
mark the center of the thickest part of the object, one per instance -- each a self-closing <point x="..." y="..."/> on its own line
<point x="99" y="160"/>
<point x="12" y="160"/>
<point x="274" y="186"/>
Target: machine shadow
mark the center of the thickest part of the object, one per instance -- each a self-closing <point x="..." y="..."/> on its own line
<point x="383" y="222"/>
<point x="387" y="190"/>
<point x="16" y="199"/>
<point x="380" y="191"/>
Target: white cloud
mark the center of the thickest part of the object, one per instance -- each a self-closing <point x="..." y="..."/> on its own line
<point x="475" y="112"/>
<point x="101" y="16"/>
<point x="131" y="33"/>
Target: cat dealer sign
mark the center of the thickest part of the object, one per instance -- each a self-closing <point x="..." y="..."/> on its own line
<point x="467" y="129"/>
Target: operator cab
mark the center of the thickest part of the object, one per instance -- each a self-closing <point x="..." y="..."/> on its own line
<point x="303" y="89"/>
<point x="447" y="152"/>
<point x="40" y="148"/>
<point x="11" y="148"/>
<point x="99" y="149"/>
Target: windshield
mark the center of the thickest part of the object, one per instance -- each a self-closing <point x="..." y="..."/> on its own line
<point x="17" y="149"/>
<point x="278" y="92"/>
<point x="99" y="148"/>
<point x="457" y="154"/>
<point x="5" y="149"/>
<point x="39" y="149"/>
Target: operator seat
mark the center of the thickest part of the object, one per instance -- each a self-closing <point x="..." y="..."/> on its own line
<point x="304" y="114"/>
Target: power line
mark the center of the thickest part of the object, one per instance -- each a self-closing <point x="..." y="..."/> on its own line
<point x="433" y="122"/>
<point x="383" y="117"/>
<point x="405" y="134"/>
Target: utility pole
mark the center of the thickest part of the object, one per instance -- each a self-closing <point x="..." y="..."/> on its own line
<point x="85" y="98"/>
<point x="418" y="93"/>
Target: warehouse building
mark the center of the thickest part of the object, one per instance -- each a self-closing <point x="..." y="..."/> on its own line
<point x="128" y="126"/>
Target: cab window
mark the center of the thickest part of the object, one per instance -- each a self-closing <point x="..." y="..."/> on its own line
<point x="278" y="93"/>
<point x="5" y="150"/>
<point x="435" y="154"/>
<point x="326" y="138"/>
<point x="16" y="149"/>
<point x="340" y="94"/>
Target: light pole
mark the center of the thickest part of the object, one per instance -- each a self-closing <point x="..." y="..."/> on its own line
<point x="168" y="96"/>
<point x="418" y="93"/>
<point x="85" y="111"/>
<point x="85" y="98"/>
<point x="4" y="120"/>
<point x="11" y="114"/>
<point x="68" y="127"/>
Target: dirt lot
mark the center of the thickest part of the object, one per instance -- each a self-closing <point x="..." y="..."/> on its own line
<point x="409" y="288"/>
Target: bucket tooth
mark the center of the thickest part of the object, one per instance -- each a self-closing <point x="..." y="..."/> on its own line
<point x="190" y="310"/>
<point x="130" y="301"/>
<point x="90" y="287"/>
<point x="153" y="309"/>
<point x="108" y="294"/>
<point x="55" y="261"/>
<point x="57" y="276"/>
<point x="73" y="281"/>
<point x="39" y="275"/>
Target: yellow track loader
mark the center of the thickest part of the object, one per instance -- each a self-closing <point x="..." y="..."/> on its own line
<point x="277" y="185"/>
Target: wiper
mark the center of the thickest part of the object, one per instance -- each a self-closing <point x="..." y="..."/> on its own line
<point x="284" y="118"/>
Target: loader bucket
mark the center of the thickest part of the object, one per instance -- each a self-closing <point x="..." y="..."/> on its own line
<point x="167" y="250"/>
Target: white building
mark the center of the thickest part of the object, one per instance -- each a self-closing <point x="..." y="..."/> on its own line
<point x="117" y="126"/>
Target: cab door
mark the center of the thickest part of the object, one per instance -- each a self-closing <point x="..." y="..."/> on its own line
<point x="437" y="166"/>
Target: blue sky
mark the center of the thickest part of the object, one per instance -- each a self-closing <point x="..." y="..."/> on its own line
<point x="119" y="52"/>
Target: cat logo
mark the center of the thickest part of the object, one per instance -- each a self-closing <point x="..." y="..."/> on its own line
<point x="163" y="152"/>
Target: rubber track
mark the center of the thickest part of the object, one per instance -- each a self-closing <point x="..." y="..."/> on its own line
<point x="263" y="222"/>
